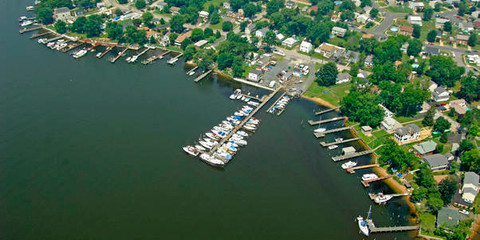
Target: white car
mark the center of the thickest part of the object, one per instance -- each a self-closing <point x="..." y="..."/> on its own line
<point x="463" y="211"/>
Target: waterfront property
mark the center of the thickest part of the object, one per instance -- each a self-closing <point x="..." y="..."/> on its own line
<point x="470" y="187"/>
<point x="436" y="161"/>
<point x="408" y="133"/>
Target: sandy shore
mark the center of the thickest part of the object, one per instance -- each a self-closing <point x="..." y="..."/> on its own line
<point x="475" y="227"/>
<point x="319" y="101"/>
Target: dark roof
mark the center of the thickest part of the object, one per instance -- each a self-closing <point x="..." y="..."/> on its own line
<point x="435" y="160"/>
<point x="431" y="50"/>
<point x="409" y="129"/>
<point x="256" y="71"/>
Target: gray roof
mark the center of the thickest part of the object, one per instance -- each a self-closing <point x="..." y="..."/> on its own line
<point x="62" y="10"/>
<point x="352" y="56"/>
<point x="440" y="90"/>
<point x="263" y="30"/>
<point x="369" y="59"/>
<point x="256" y="71"/>
<point x="431" y="50"/>
<point x="343" y="76"/>
<point x="339" y="29"/>
<point x="448" y="216"/>
<point x="435" y="161"/>
<point x="425" y="147"/>
<point x="409" y="129"/>
<point x="471" y="178"/>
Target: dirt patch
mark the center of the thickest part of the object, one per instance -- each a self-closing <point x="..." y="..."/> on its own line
<point x="319" y="101"/>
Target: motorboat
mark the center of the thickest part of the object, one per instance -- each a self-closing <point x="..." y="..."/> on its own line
<point x="338" y="139"/>
<point x="172" y="60"/>
<point x="235" y="93"/>
<point x="42" y="40"/>
<point x="80" y="53"/>
<point x="349" y="164"/>
<point x="331" y="147"/>
<point x="242" y="133"/>
<point x="380" y="198"/>
<point x="191" y="73"/>
<point x="249" y="128"/>
<point x="363" y="226"/>
<point x="200" y="148"/>
<point x="190" y="150"/>
<point x="205" y="144"/>
<point x="253" y="103"/>
<point x="30" y="8"/>
<point x="369" y="176"/>
<point x="320" y="130"/>
<point x="132" y="59"/>
<point x="26" y="23"/>
<point x="51" y="45"/>
<point x="22" y="18"/>
<point x="211" y="160"/>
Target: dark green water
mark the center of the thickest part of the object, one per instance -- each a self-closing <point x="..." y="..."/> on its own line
<point x="92" y="150"/>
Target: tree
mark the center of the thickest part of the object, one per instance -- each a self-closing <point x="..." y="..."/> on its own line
<point x="140" y="4"/>
<point x="114" y="30"/>
<point x="396" y="156"/>
<point x="327" y="74"/>
<point x="185" y="43"/>
<point x="224" y="60"/>
<point x="431" y="36"/>
<point x="44" y="14"/>
<point x="204" y="58"/>
<point x="417" y="30"/>
<point x="190" y="51"/>
<point x="435" y="203"/>
<point x="176" y="23"/>
<point x="60" y="27"/>
<point x="132" y="35"/>
<point x="427" y="14"/>
<point x="428" y="119"/>
<point x="471" y="160"/>
<point x="447" y="27"/>
<point x="93" y="26"/>
<point x="214" y="18"/>
<point x="237" y="66"/>
<point x="364" y="3"/>
<point x="374" y="13"/>
<point x="273" y="6"/>
<point x="78" y="25"/>
<point x="444" y="71"/>
<point x="249" y="10"/>
<point x="147" y="18"/>
<point x="441" y="124"/>
<point x="438" y="7"/>
<point x="419" y="194"/>
<point x="447" y="189"/>
<point x="152" y="40"/>
<point x="362" y="107"/>
<point x="472" y="40"/>
<point x="270" y="38"/>
<point x="414" y="47"/>
<point x="122" y="1"/>
<point x="118" y="12"/>
<point x="172" y="38"/>
<point x="227" y="26"/>
<point x="439" y="148"/>
<point x="462" y="8"/>
<point x="354" y="69"/>
<point x="208" y="32"/>
<point x="197" y="34"/>
<point x="243" y="25"/>
<point x="452" y="112"/>
<point x="470" y="90"/>
<point x="388" y="51"/>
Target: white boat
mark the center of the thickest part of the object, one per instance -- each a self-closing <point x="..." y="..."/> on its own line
<point x="243" y="98"/>
<point x="205" y="144"/>
<point x="349" y="164"/>
<point x="319" y="130"/>
<point x="463" y="211"/>
<point x="26" y="23"/>
<point x="369" y="176"/>
<point x="249" y="128"/>
<point x="80" y="53"/>
<point x="200" y="148"/>
<point x="191" y="150"/>
<point x="30" y="8"/>
<point x="172" y="60"/>
<point x="362" y="224"/>
<point x="332" y="147"/>
<point x="239" y="96"/>
<point x="22" y="18"/>
<point x="133" y="59"/>
<point x="338" y="139"/>
<point x="98" y="55"/>
<point x="242" y="133"/>
<point x="42" y="40"/>
<point x="191" y="73"/>
<point x="380" y="198"/>
<point x="253" y="103"/>
<point x="51" y="45"/>
<point x="211" y="160"/>
<point x="235" y="93"/>
<point x="128" y="59"/>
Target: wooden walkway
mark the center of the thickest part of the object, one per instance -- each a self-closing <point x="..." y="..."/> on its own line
<point x="199" y="78"/>
<point x="73" y="47"/>
<point x="39" y="35"/>
<point x="322" y="134"/>
<point x="352" y="170"/>
<point x="119" y="55"/>
<point x="367" y="183"/>
<point x="106" y="51"/>
<point x="327" y="110"/>
<point x="253" y="84"/>
<point x="54" y="39"/>
<point x="374" y="229"/>
<point x="278" y="99"/>
<point x="192" y="70"/>
<point x="311" y="122"/>
<point x="353" y="155"/>
<point x="324" y="144"/>
<point x="24" y="30"/>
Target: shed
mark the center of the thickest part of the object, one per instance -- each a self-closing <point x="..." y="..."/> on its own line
<point x="366" y="129"/>
<point x="348" y="150"/>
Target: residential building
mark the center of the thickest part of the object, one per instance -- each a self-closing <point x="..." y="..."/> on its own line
<point x="475" y="14"/>
<point x="470" y="187"/>
<point x="404" y="47"/>
<point x="406" y="30"/>
<point x="448" y="217"/>
<point x="250" y="29"/>
<point x="160" y="5"/>
<point x="328" y="50"/>
<point x="339" y="32"/>
<point x="290" y="4"/>
<point x="440" y="94"/>
<point x="436" y="162"/>
<point x="352" y="56"/>
<point x="425" y="148"/>
<point x="439" y="22"/>
<point x="63" y="14"/>
<point x="260" y="33"/>
<point x="459" y="105"/>
<point x="101" y="5"/>
<point x="367" y="130"/>
<point x="79" y="13"/>
<point x="182" y="37"/>
<point x="368" y="61"/>
<point x="474" y="59"/>
<point x="254" y="75"/>
<point x="466" y="26"/>
<point x="201" y="43"/>
<point x="391" y="2"/>
<point x="280" y="37"/>
<point x="343" y="78"/>
<point x="408" y="133"/>
<point x="289" y="42"/>
<point x="363" y="18"/>
<point x="416" y="6"/>
<point x="226" y="5"/>
<point x="462" y="39"/>
<point x="174" y="10"/>
<point x="415" y="20"/>
<point x="431" y="51"/>
<point x="203" y="14"/>
<point x="306" y="47"/>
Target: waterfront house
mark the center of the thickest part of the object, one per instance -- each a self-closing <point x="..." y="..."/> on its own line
<point x="254" y="75"/>
<point x="408" y="133"/>
<point x="343" y="78"/>
<point x="339" y="32"/>
<point x="470" y="187"/>
<point x="448" y="217"/>
<point x="440" y="22"/>
<point x="289" y="42"/>
<point x="305" y="47"/>
<point x="327" y="50"/>
<point x="440" y="94"/>
<point x="63" y="14"/>
<point x="368" y="61"/>
<point x="182" y="37"/>
<point x="260" y="33"/>
<point x="436" y="162"/>
<point x="406" y="30"/>
<point x="415" y="20"/>
<point x="425" y="148"/>
<point x="466" y="26"/>
<point x="462" y="39"/>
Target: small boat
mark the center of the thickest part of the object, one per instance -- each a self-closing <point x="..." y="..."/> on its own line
<point x="191" y="73"/>
<point x="319" y="130"/>
<point x="205" y="144"/>
<point x="369" y="176"/>
<point x="338" y="139"/>
<point x="362" y="224"/>
<point x="30" y="8"/>
<point x="380" y="198"/>
<point x="133" y="59"/>
<point x="332" y="147"/>
<point x="249" y="128"/>
<point x="243" y="98"/>
<point x="191" y="150"/>
<point x="128" y="59"/>
<point x="51" y="45"/>
<point x="22" y="18"/>
<point x="349" y="164"/>
<point x="42" y="40"/>
<point x="80" y="54"/>
<point x="200" y="148"/>
<point x="98" y="55"/>
<point x="26" y="23"/>
<point x="211" y="160"/>
<point x="172" y="60"/>
<point x="253" y="103"/>
<point x="242" y="133"/>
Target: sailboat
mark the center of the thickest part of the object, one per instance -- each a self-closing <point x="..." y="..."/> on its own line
<point x="362" y="223"/>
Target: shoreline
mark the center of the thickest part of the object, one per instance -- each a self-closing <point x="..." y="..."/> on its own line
<point x="319" y="101"/>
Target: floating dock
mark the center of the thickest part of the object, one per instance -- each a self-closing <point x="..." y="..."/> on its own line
<point x="311" y="122"/>
<point x="327" y="110"/>
<point x="72" y="47"/>
<point x="322" y="134"/>
<point x="119" y="55"/>
<point x="199" y="78"/>
<point x="367" y="183"/>
<point x="24" y="30"/>
<point x="353" y="155"/>
<point x="374" y="229"/>
<point x="324" y="144"/>
<point x="192" y="70"/>
<point x="54" y="39"/>
<point x="39" y="35"/>
<point x="106" y="51"/>
<point x="352" y="170"/>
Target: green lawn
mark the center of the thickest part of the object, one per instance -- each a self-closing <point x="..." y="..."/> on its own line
<point x="217" y="26"/>
<point x="212" y="2"/>
<point x="366" y="139"/>
<point x="427" y="27"/>
<point x="427" y="223"/>
<point x="332" y="94"/>
<point x="380" y="136"/>
<point x="399" y="9"/>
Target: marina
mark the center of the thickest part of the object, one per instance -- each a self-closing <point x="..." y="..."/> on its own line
<point x="353" y="155"/>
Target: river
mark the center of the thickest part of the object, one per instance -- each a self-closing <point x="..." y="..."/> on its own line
<point x="92" y="150"/>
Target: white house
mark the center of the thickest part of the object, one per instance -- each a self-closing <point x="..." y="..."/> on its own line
<point x="63" y="14"/>
<point x="416" y="6"/>
<point x="415" y="20"/>
<point x="439" y="22"/>
<point x="280" y="37"/>
<point x="306" y="47"/>
<point x="260" y="33"/>
<point x="289" y="42"/>
<point x="343" y="78"/>
<point x="470" y="187"/>
<point x="338" y="31"/>
<point x="203" y="14"/>
<point x="440" y="94"/>
<point x="408" y="133"/>
<point x="362" y="18"/>
<point x="254" y="75"/>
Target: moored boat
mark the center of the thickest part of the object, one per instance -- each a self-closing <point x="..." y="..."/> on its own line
<point x="349" y="164"/>
<point x="190" y="150"/>
<point x="369" y="176"/>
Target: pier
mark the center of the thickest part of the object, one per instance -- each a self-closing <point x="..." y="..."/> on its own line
<point x="199" y="78"/>
<point x="252" y="84"/>
<point x="39" y="35"/>
<point x="54" y="39"/>
<point x="353" y="155"/>
<point x="143" y="52"/>
<point x="311" y="122"/>
<point x="278" y="99"/>
<point x="324" y="144"/>
<point x="192" y="70"/>
<point x="327" y="110"/>
<point x="367" y="183"/>
<point x="374" y="229"/>
<point x="106" y="51"/>
<point x="322" y="134"/>
<point x="71" y="47"/>
<point x="352" y="170"/>
<point x="24" y="30"/>
<point x="119" y="55"/>
<point x="372" y="195"/>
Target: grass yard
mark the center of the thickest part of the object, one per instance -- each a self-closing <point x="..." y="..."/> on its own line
<point x="427" y="223"/>
<point x="427" y="27"/>
<point x="399" y="9"/>
<point x="380" y="136"/>
<point x="217" y="26"/>
<point x="212" y="2"/>
<point x="332" y="94"/>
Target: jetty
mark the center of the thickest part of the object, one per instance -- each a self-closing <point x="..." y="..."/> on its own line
<point x="324" y="144"/>
<point x="311" y="122"/>
<point x="374" y="229"/>
<point x="119" y="55"/>
<point x="353" y="155"/>
<point x="39" y="35"/>
<point x="278" y="99"/>
<point x="253" y="84"/>
<point x="24" y="30"/>
<point x="106" y="51"/>
<point x="352" y="170"/>
<point x="322" y="134"/>
<point x="71" y="47"/>
<point x="143" y="52"/>
<point x="199" y="78"/>
<point x="367" y="182"/>
<point x="54" y="39"/>
<point x="372" y="195"/>
<point x="325" y="111"/>
<point x="192" y="70"/>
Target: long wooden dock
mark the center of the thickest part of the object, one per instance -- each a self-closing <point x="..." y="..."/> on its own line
<point x="322" y="134"/>
<point x="353" y="155"/>
<point x="367" y="183"/>
<point x="73" y="47"/>
<point x="39" y="35"/>
<point x="311" y="122"/>
<point x="352" y="170"/>
<point x="245" y="120"/>
<point x="199" y="78"/>
<point x="374" y="229"/>
<point x="54" y="39"/>
<point x="106" y="51"/>
<point x="327" y="110"/>
<point x="192" y="70"/>
<point x="273" y="105"/>
<point x="324" y="144"/>
<point x="119" y="55"/>
<point x="24" y="30"/>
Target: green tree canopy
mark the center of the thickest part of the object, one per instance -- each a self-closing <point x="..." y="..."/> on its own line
<point x="327" y="74"/>
<point x="139" y="4"/>
<point x="444" y="71"/>
<point x="176" y="23"/>
<point x="441" y="124"/>
<point x="429" y="120"/>
<point x="227" y="26"/>
<point x="60" y="27"/>
<point x="114" y="30"/>
<point x="414" y="47"/>
<point x="431" y="36"/>
<point x="362" y="107"/>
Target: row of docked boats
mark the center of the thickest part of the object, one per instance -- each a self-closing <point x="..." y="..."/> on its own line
<point x="218" y="146"/>
<point x="237" y="95"/>
<point x="62" y="44"/>
<point x="280" y="104"/>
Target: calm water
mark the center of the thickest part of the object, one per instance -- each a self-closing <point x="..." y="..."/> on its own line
<point x="92" y="150"/>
